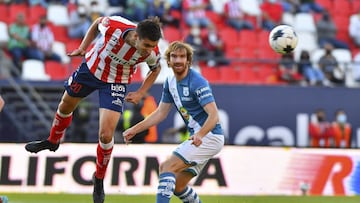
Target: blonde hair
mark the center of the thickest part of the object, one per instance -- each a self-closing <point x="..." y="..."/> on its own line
<point x="175" y="45"/>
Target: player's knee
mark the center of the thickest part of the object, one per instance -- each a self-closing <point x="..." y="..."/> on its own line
<point x="105" y="136"/>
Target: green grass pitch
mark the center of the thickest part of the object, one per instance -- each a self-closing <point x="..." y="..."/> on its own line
<point x="74" y="198"/>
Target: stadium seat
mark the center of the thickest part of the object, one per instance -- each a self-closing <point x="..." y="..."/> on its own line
<point x="171" y="33"/>
<point x="60" y="33"/>
<point x="342" y="8"/>
<point x="251" y="7"/>
<point x="230" y="37"/>
<point x="34" y="70"/>
<point x="310" y="45"/>
<point x="327" y="4"/>
<point x="341" y="22"/>
<point x="60" y="49"/>
<point x="58" y="14"/>
<point x="210" y="73"/>
<point x="218" y="5"/>
<point x="247" y="75"/>
<point x="56" y="70"/>
<point x="4" y="36"/>
<point x="304" y="22"/>
<point x="288" y="18"/>
<point x="35" y="12"/>
<point x="247" y="39"/>
<point x="216" y="18"/>
<point x="229" y="75"/>
<point x="4" y="14"/>
<point x="355" y="6"/>
<point x="316" y="55"/>
<point x="15" y="9"/>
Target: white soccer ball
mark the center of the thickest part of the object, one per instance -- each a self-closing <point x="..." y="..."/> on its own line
<point x="283" y="39"/>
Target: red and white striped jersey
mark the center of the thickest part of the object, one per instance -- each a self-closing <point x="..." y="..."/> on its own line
<point x="111" y="59"/>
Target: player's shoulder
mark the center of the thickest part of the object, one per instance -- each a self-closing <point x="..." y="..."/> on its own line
<point x="117" y="19"/>
<point x="197" y="79"/>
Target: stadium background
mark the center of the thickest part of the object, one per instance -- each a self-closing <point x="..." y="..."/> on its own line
<point x="257" y="109"/>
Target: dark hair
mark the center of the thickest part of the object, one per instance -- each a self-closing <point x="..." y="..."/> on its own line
<point x="149" y="29"/>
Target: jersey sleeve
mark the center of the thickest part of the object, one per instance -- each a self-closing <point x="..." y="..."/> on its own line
<point x="203" y="92"/>
<point x="153" y="60"/>
<point x="107" y="24"/>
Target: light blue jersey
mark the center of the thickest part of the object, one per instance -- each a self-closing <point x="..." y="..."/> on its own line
<point x="189" y="96"/>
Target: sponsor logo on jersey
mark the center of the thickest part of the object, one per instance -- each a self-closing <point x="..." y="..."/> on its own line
<point x="117" y="88"/>
<point x="117" y="101"/>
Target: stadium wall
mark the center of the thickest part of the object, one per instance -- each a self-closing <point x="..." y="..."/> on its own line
<point x="133" y="169"/>
<point x="275" y="115"/>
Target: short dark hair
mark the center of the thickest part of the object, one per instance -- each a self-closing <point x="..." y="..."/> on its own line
<point x="150" y="29"/>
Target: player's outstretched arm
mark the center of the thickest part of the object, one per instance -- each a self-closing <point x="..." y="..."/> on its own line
<point x="87" y="40"/>
<point x="211" y="121"/>
<point x="135" y="97"/>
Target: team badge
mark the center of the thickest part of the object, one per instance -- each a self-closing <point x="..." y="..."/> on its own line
<point x="105" y="21"/>
<point x="186" y="91"/>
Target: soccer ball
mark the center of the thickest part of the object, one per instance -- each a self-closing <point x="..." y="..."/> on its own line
<point x="283" y="39"/>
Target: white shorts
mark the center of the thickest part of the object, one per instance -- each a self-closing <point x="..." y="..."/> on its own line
<point x="199" y="156"/>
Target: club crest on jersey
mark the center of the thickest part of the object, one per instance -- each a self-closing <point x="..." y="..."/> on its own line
<point x="186" y="91"/>
<point x="105" y="21"/>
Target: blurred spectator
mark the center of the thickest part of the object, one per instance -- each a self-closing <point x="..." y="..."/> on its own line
<point x="288" y="71"/>
<point x="290" y="6"/>
<point x="330" y="66"/>
<point x="148" y="107"/>
<point x="320" y="130"/>
<point x="354" y="28"/>
<point x="162" y="8"/>
<point x="215" y="46"/>
<point x="43" y="39"/>
<point x="79" y="22"/>
<point x="42" y="3"/>
<point x="116" y="3"/>
<point x="136" y="10"/>
<point x="19" y="42"/>
<point x="326" y="32"/>
<point x="313" y="75"/>
<point x="341" y="130"/>
<point x="194" y="38"/>
<point x="272" y="12"/>
<point x="235" y="16"/>
<point x="195" y="13"/>
<point x="95" y="11"/>
<point x="307" y="6"/>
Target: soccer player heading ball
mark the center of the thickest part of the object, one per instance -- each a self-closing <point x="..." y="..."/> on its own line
<point x="107" y="68"/>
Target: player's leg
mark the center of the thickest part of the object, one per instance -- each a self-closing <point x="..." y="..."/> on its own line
<point x="183" y="191"/>
<point x="79" y="85"/>
<point x="61" y="122"/>
<point x="108" y="122"/>
<point x="111" y="100"/>
<point x="167" y="179"/>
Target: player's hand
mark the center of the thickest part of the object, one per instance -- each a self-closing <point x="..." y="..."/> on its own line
<point x="196" y="140"/>
<point x="133" y="97"/>
<point x="77" y="52"/>
<point x="128" y="135"/>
